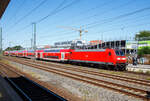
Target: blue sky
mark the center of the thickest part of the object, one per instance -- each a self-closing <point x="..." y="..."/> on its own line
<point x="98" y="17"/>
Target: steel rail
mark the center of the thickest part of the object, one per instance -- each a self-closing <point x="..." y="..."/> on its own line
<point x="116" y="77"/>
<point x="78" y="77"/>
<point x="122" y="78"/>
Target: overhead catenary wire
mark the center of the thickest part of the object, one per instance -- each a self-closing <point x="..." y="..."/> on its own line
<point x="99" y="31"/>
<point x="85" y="11"/>
<point x="64" y="35"/>
<point x="132" y="19"/>
<point x="89" y="26"/>
<point x="67" y="34"/>
<point x="125" y="27"/>
<point x="129" y="26"/>
<point x="94" y="24"/>
<point x="57" y="10"/>
<point x="28" y="14"/>
<point x="61" y="37"/>
<point x="52" y="11"/>
<point x="90" y="9"/>
<point x="113" y="8"/>
<point x="18" y="9"/>
<point x="45" y="17"/>
<point x="100" y="6"/>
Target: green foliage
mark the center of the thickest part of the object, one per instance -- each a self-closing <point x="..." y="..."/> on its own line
<point x="144" y="50"/>
<point x="14" y="48"/>
<point x="142" y="35"/>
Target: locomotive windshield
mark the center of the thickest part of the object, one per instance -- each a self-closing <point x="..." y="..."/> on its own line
<point x="119" y="52"/>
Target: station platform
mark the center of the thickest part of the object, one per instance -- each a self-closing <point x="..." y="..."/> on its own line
<point x="7" y="93"/>
<point x="139" y="67"/>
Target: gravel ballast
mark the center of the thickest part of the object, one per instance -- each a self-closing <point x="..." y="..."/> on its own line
<point x="83" y="90"/>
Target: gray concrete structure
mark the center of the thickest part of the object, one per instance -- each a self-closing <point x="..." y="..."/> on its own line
<point x="7" y="93"/>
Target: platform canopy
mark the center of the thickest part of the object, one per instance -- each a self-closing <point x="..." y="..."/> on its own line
<point x="3" y="6"/>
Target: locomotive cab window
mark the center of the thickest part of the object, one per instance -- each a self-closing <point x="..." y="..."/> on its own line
<point x="119" y="52"/>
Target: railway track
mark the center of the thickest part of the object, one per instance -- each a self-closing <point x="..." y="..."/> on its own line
<point x="112" y="76"/>
<point x="27" y="89"/>
<point x="139" y="93"/>
<point x="117" y="77"/>
<point x="138" y="73"/>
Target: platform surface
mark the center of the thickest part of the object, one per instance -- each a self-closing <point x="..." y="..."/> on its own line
<point x="139" y="67"/>
<point x="7" y="93"/>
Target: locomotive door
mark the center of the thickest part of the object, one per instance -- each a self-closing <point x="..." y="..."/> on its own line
<point x="62" y="56"/>
<point x="108" y="58"/>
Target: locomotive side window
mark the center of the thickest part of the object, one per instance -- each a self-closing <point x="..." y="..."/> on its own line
<point x="109" y="53"/>
<point x="122" y="53"/>
<point x="117" y="52"/>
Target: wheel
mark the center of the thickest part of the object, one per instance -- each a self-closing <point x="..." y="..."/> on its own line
<point x="116" y="68"/>
<point x="123" y="68"/>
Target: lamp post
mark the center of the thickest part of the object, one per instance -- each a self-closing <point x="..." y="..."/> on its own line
<point x="1" y="41"/>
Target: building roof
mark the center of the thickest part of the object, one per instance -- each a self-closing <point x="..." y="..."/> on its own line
<point x="3" y="6"/>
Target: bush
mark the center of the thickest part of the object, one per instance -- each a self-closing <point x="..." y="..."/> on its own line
<point x="144" y="50"/>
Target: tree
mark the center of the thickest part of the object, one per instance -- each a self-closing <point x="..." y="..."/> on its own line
<point x="143" y="35"/>
<point x="17" y="47"/>
<point x="14" y="48"/>
<point x="144" y="50"/>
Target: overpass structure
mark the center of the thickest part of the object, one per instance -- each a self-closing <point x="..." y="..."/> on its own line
<point x="3" y="6"/>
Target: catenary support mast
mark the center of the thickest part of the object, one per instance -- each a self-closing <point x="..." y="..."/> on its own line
<point x="34" y="36"/>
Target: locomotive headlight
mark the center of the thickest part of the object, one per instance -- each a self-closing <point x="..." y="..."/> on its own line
<point x="118" y="58"/>
<point x="123" y="58"/>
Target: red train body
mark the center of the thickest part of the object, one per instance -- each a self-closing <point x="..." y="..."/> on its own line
<point x="110" y="58"/>
<point x="6" y="53"/>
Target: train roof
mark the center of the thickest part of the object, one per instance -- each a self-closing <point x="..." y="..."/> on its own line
<point x="57" y="48"/>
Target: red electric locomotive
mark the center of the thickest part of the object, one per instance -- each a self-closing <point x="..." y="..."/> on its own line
<point x="109" y="58"/>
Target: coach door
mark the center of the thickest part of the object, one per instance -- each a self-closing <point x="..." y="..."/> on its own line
<point x="62" y="55"/>
<point x="36" y="54"/>
<point x="41" y="55"/>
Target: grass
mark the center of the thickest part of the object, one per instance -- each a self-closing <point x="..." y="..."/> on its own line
<point x="33" y="74"/>
<point x="111" y="72"/>
<point x="148" y="78"/>
<point x="21" y="69"/>
<point x="140" y="71"/>
<point x="147" y="72"/>
<point x="118" y="73"/>
<point x="4" y="61"/>
<point x="1" y="95"/>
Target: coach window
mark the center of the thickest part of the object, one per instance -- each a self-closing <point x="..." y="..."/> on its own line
<point x="109" y="53"/>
